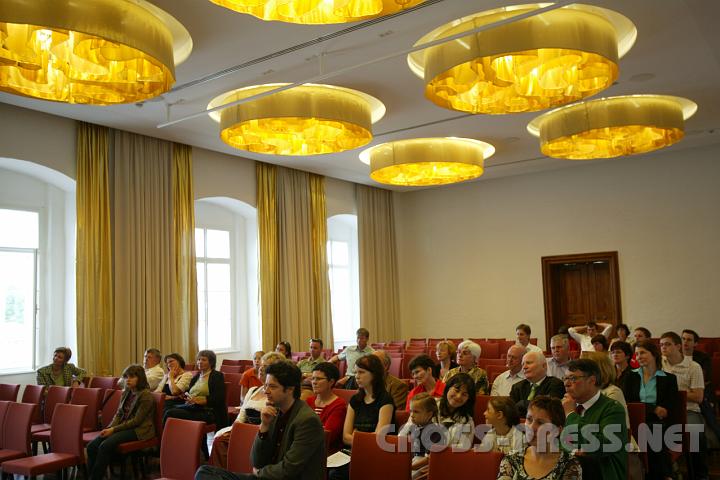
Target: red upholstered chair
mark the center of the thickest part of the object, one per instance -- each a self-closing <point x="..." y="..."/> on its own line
<point x="66" y="443"/>
<point x="401" y="418"/>
<point x="481" y="402"/>
<point x="232" y="394"/>
<point x="494" y="370"/>
<point x="108" y="383"/>
<point x="369" y="460"/>
<point x="34" y="394"/>
<point x="232" y="368"/>
<point x="242" y="437"/>
<point x="179" y="449"/>
<point x="449" y="464"/>
<point x="15" y="436"/>
<point x="490" y="350"/>
<point x="141" y="445"/>
<point x="79" y="396"/>
<point x="344" y="394"/>
<point x="4" y="404"/>
<point x="395" y="365"/>
<point x="636" y="412"/>
<point x="55" y="395"/>
<point x="9" y="391"/>
<point x="109" y="408"/>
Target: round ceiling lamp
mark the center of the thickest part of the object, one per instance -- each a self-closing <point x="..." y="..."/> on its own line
<point x="96" y="52"/>
<point x="612" y="127"/>
<point x="305" y="120"/>
<point x="539" y="62"/>
<point x="421" y="162"/>
<point x="315" y="12"/>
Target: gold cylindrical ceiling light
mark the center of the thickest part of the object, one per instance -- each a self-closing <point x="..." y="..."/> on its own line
<point x="314" y="12"/>
<point x="543" y="61"/>
<point x="612" y="127"/>
<point x="97" y="52"/>
<point x="421" y="162"/>
<point x="305" y="120"/>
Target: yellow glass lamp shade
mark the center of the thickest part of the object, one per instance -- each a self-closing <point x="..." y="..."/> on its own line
<point x="612" y="127"/>
<point x="539" y="62"/>
<point x="305" y="120"/>
<point x="97" y="52"/>
<point x="314" y="12"/>
<point x="421" y="162"/>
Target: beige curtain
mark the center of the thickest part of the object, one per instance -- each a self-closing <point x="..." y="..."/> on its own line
<point x="379" y="310"/>
<point x="156" y="303"/>
<point x="294" y="287"/>
<point x="94" y="287"/>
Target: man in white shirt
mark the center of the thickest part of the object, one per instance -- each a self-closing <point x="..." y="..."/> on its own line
<point x="153" y="370"/>
<point x="557" y="365"/>
<point x="522" y="335"/>
<point x="503" y="383"/>
<point x="689" y="379"/>
<point x="351" y="354"/>
<point x="584" y="335"/>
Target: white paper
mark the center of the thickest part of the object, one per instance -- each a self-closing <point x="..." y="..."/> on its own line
<point x="338" y="459"/>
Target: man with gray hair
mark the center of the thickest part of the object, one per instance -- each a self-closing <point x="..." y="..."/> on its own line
<point x="536" y="382"/>
<point x="513" y="360"/>
<point x="397" y="389"/>
<point x="153" y="370"/>
<point x="557" y="365"/>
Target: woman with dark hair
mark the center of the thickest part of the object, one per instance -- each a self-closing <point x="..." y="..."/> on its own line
<point x="60" y="372"/>
<point x="543" y="457"/>
<point x="205" y="398"/>
<point x="456" y="408"/>
<point x="133" y="421"/>
<point x="327" y="405"/>
<point x="623" y="334"/>
<point x="621" y="353"/>
<point x="658" y="390"/>
<point x="175" y="382"/>
<point x="285" y="349"/>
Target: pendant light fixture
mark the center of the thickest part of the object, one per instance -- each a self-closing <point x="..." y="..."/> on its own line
<point x="612" y="127"/>
<point x="97" y="52"/>
<point x="542" y="61"/>
<point x="306" y="120"/>
<point x="427" y="161"/>
<point x="315" y="12"/>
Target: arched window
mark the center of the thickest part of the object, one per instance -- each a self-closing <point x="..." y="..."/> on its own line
<point x="343" y="270"/>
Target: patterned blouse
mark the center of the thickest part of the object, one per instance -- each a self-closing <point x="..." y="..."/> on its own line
<point x="482" y="386"/>
<point x="68" y="374"/>
<point x="512" y="467"/>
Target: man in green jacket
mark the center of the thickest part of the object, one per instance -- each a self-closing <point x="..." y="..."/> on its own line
<point x="291" y="441"/>
<point x="595" y="428"/>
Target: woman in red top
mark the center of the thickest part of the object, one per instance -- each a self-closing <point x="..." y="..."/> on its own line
<point x="250" y="378"/>
<point x="326" y="404"/>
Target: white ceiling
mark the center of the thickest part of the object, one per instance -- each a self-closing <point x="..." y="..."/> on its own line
<point x="677" y="53"/>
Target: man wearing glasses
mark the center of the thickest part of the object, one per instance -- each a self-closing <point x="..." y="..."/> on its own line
<point x="306" y="365"/>
<point x="595" y="428"/>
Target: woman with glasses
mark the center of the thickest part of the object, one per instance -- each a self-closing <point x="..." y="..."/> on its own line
<point x="327" y="405"/>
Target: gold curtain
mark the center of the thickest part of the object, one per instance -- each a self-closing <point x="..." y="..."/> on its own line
<point x="94" y="284"/>
<point x="294" y="289"/>
<point x="379" y="310"/>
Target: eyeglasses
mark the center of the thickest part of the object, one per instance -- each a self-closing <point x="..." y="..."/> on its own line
<point x="317" y="379"/>
<point x="573" y="378"/>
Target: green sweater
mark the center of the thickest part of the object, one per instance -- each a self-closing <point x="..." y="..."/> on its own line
<point x="601" y="433"/>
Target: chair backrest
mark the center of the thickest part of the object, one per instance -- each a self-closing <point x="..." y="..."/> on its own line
<point x="449" y="464"/>
<point x="481" y="402"/>
<point x="159" y="398"/>
<point x="369" y="460"/>
<point x="494" y="370"/>
<point x="233" y="389"/>
<point x="490" y="350"/>
<point x="227" y="361"/>
<point x="66" y="429"/>
<point x="242" y="437"/>
<point x="4" y="404"/>
<point x="232" y="368"/>
<point x="636" y="412"/>
<point x="92" y="397"/>
<point x="33" y="394"/>
<point x="395" y="365"/>
<point x="55" y="396"/>
<point x="344" y="394"/>
<point x="179" y="448"/>
<point x="110" y="406"/>
<point x="16" y="429"/>
<point x="109" y="383"/>
<point x="401" y="418"/>
<point x="9" y="391"/>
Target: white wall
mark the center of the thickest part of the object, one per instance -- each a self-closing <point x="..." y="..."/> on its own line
<point x="469" y="255"/>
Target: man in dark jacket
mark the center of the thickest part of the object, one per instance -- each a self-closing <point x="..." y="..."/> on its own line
<point x="536" y="382"/>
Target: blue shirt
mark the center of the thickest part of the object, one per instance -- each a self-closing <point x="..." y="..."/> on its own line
<point x="648" y="391"/>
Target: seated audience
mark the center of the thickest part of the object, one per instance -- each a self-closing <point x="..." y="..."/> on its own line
<point x="331" y="408"/>
<point x="421" y="370"/>
<point x="468" y="353"/>
<point x="623" y="334"/>
<point x="285" y="349"/>
<point x="591" y="414"/>
<point x="423" y="413"/>
<point x="248" y="412"/>
<point x="600" y="343"/>
<point x="542" y="458"/>
<point x="133" y="421"/>
<point x="560" y="350"/>
<point x="522" y="335"/>
<point x="641" y="333"/>
<point x="445" y="352"/>
<point x="370" y="410"/>
<point x="584" y="335"/>
<point x="658" y="390"/>
<point x="397" y="389"/>
<point x="621" y="354"/>
<point x="60" y="372"/>
<point x="536" y="382"/>
<point x="306" y="365"/>
<point x="250" y="376"/>
<point x="290" y="444"/>
<point x="455" y="411"/>
<point x="690" y="339"/>
<point x="153" y="369"/>
<point x="607" y="380"/>
<point x="504" y="435"/>
<point x="351" y="354"/>
<point x="175" y="382"/>
<point x="504" y="382"/>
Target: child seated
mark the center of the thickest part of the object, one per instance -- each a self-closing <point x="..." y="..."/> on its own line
<point x="423" y="415"/>
<point x="504" y="436"/>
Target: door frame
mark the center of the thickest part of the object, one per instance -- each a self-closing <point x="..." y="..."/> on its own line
<point x="550" y="261"/>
